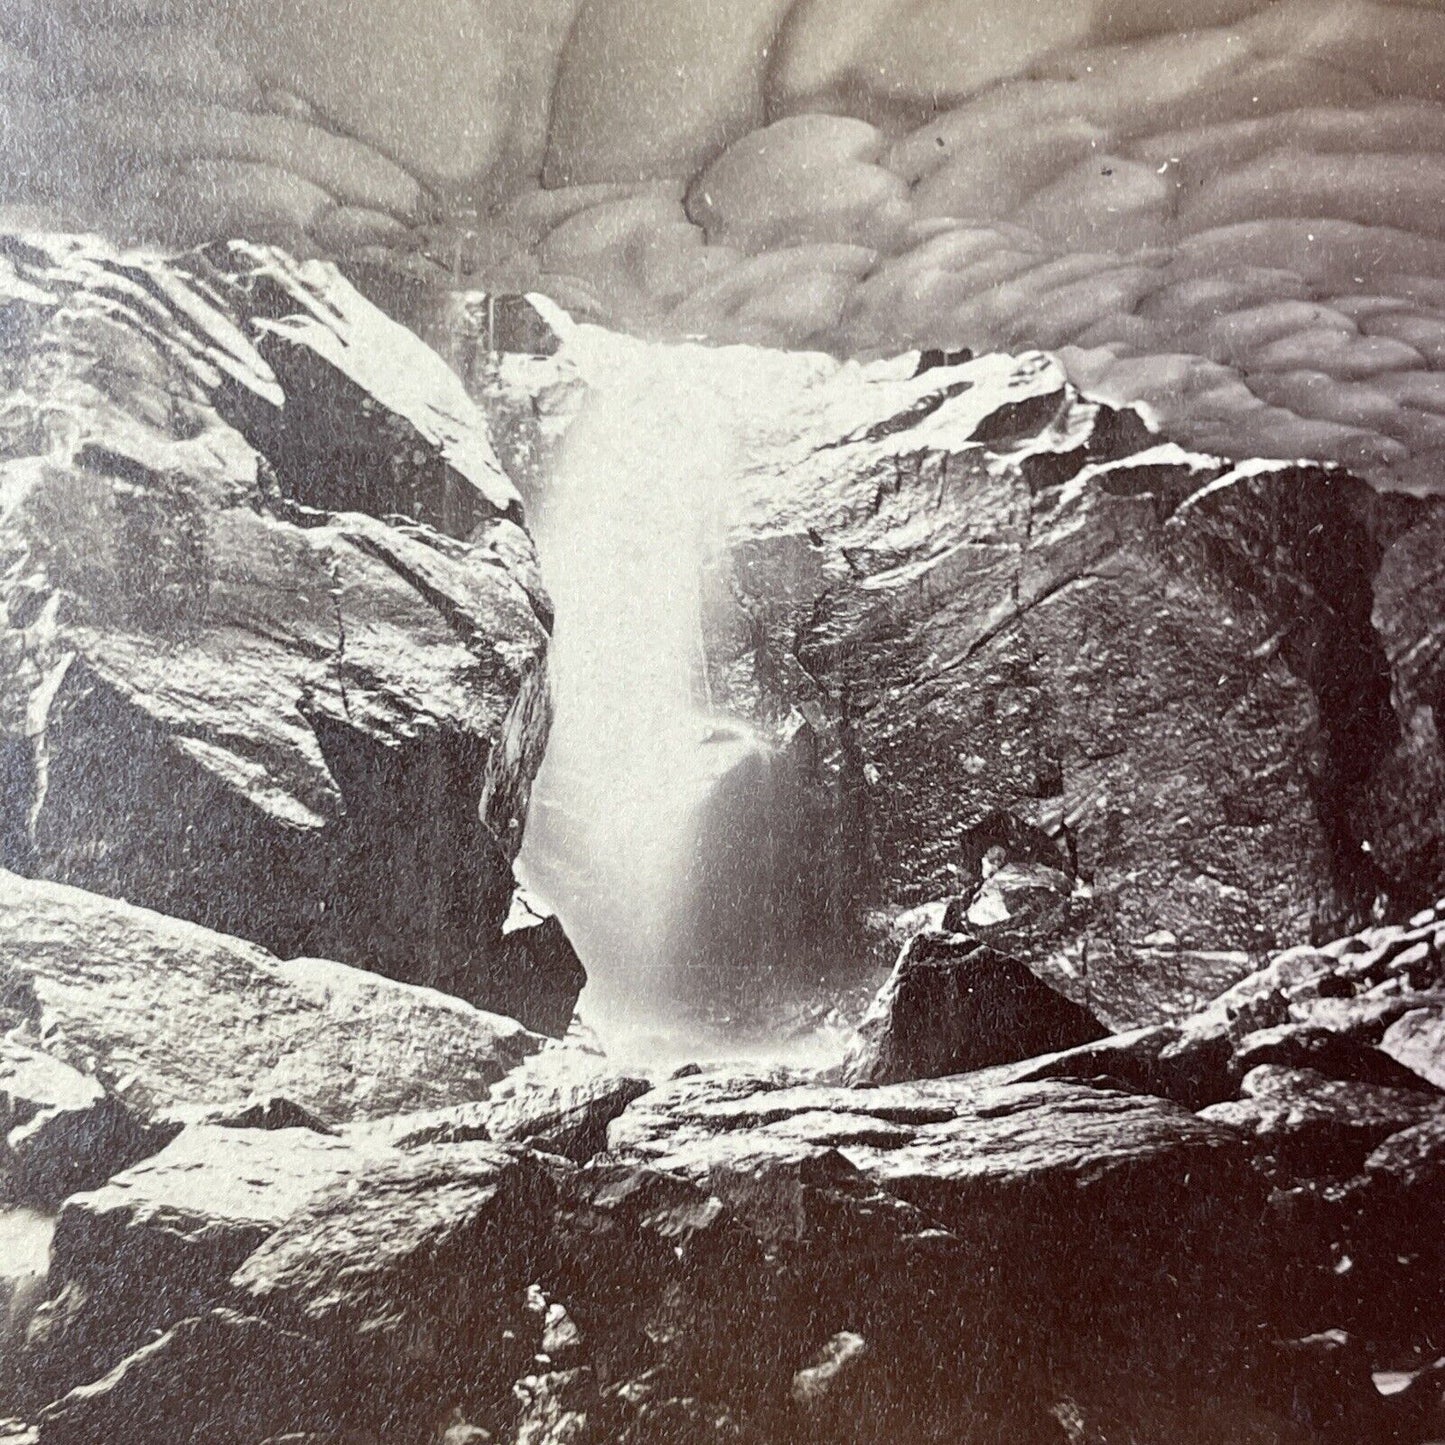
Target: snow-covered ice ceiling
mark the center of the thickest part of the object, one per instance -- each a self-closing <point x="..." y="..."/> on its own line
<point x="1234" y="209"/>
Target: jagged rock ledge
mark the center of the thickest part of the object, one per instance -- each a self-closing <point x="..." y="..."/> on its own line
<point x="429" y="1220"/>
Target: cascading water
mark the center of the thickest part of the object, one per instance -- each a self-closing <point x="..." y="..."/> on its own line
<point x="633" y="504"/>
<point x="621" y="536"/>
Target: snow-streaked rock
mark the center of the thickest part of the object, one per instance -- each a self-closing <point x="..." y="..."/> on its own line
<point x="267" y="601"/>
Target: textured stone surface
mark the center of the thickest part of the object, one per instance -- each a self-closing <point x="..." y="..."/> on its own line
<point x="159" y="1242"/>
<point x="60" y="1130"/>
<point x="167" y="1014"/>
<point x="560" y="1100"/>
<point x="1337" y="1056"/>
<point x="953" y="1005"/>
<point x="25" y="1237"/>
<point x="1354" y="987"/>
<point x="982" y="601"/>
<point x="266" y="602"/>
<point x="1417" y="1040"/>
<point x="153" y="1393"/>
<point x="413" y="1276"/>
<point x="389" y="1287"/>
<point x="763" y="1257"/>
<point x="1321" y="1125"/>
<point x="1004" y="1167"/>
<point x="534" y="946"/>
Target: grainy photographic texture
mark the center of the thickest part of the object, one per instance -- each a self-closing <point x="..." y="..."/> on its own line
<point x="720" y="722"/>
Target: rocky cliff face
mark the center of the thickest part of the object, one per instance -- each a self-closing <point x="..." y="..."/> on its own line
<point x="986" y="621"/>
<point x="274" y="643"/>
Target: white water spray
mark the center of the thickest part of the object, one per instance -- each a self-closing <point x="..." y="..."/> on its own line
<point x="637" y="498"/>
<point x="622" y="536"/>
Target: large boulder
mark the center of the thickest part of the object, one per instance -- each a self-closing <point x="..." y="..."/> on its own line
<point x="168" y="1017"/>
<point x="953" y="1005"/>
<point x="1417" y="1040"/>
<point x="415" y="1274"/>
<point x="1320" y="1126"/>
<point x="274" y="640"/>
<point x="998" y="610"/>
<point x="535" y="948"/>
<point x="396" y="1292"/>
<point x="159" y="1242"/>
<point x="1135" y="1200"/>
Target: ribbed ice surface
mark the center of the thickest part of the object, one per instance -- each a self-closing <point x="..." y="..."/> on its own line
<point x="1234" y="210"/>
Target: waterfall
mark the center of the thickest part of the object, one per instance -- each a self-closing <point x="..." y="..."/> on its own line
<point x="622" y="533"/>
<point x="658" y="829"/>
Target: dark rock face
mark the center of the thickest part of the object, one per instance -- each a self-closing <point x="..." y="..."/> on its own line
<point x="61" y="1130"/>
<point x="159" y="1242"/>
<point x="148" y="1396"/>
<point x="273" y="655"/>
<point x="987" y="599"/>
<point x="536" y="961"/>
<point x="1407" y="821"/>
<point x="954" y="1005"/>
